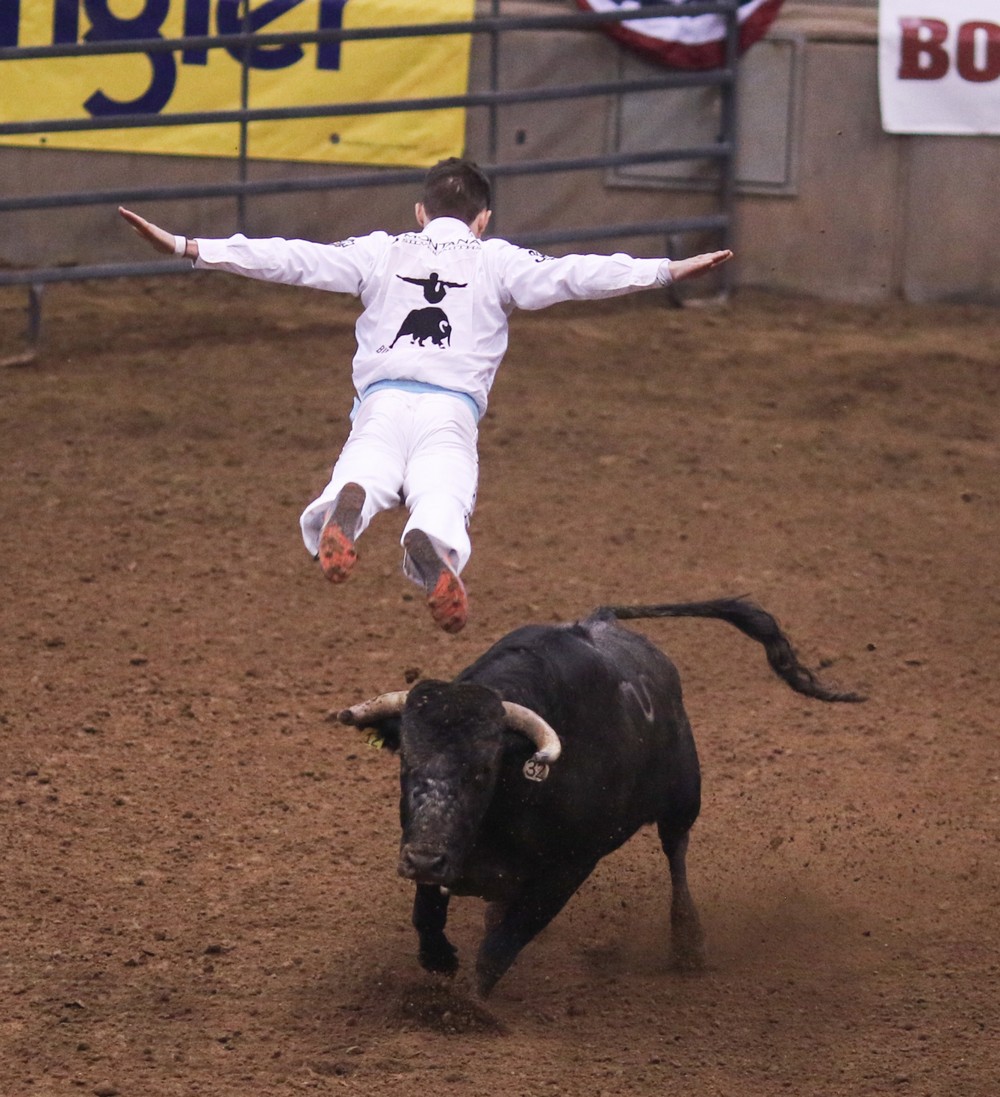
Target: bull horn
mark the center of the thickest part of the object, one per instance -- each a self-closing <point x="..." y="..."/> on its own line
<point x="378" y="708"/>
<point x="536" y="729"/>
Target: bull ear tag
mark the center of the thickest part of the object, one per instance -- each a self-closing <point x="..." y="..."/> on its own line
<point x="374" y="740"/>
<point x="535" y="771"/>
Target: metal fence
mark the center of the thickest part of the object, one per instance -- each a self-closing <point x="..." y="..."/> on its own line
<point x="495" y="26"/>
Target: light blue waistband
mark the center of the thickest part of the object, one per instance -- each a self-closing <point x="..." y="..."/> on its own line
<point x="416" y="386"/>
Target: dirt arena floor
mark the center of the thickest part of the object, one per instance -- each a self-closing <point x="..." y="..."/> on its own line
<point x="199" y="892"/>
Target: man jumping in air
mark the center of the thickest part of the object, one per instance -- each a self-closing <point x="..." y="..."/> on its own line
<point x="415" y="421"/>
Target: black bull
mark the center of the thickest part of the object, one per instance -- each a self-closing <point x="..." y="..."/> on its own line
<point x="542" y="757"/>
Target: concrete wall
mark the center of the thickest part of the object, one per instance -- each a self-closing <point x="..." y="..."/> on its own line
<point x="839" y="232"/>
<point x="873" y="215"/>
<point x="859" y="215"/>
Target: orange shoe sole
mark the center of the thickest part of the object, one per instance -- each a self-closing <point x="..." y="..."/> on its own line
<point x="337" y="555"/>
<point x="448" y="603"/>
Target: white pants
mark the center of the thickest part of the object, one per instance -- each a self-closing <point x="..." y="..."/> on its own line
<point x="418" y="449"/>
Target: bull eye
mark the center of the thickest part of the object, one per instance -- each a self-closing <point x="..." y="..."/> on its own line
<point x="473" y="773"/>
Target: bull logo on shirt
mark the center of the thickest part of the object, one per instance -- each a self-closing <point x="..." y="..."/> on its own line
<point x="423" y="324"/>
<point x="430" y="323"/>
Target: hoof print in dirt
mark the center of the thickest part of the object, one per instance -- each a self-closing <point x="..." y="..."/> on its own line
<point x="440" y="1007"/>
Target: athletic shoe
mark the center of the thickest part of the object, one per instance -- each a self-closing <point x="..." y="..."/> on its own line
<point x="448" y="603"/>
<point x="337" y="555"/>
<point x="445" y="591"/>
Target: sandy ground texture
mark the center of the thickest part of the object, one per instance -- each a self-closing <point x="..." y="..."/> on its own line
<point x="199" y="892"/>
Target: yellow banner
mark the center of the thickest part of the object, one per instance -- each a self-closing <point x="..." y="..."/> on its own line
<point x="310" y="75"/>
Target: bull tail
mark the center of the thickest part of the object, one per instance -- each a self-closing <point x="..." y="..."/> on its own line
<point x="754" y="622"/>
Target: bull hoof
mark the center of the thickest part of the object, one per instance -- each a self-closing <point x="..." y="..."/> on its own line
<point x="439" y="961"/>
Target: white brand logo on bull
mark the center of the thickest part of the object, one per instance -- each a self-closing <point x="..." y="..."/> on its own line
<point x="639" y="692"/>
<point x="535" y="771"/>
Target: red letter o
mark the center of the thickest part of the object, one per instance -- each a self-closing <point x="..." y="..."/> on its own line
<point x="965" y="59"/>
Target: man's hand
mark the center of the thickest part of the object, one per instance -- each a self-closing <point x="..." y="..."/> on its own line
<point x="159" y="238"/>
<point x="698" y="264"/>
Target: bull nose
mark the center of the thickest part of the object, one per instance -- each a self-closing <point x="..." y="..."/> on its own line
<point x="427" y="866"/>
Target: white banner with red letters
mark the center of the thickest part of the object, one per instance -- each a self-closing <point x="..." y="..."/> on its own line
<point x="939" y="66"/>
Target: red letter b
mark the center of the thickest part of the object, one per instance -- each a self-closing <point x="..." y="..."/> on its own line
<point x="921" y="56"/>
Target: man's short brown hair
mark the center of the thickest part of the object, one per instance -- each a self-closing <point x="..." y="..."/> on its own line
<point x="456" y="188"/>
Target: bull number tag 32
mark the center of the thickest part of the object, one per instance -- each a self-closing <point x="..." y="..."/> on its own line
<point x="535" y="771"/>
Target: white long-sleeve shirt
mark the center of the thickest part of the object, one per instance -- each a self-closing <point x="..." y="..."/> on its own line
<point x="436" y="302"/>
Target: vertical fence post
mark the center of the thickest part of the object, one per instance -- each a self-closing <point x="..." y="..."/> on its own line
<point x="241" y="166"/>
<point x="728" y="120"/>
<point x="34" y="332"/>
<point x="494" y="113"/>
<point x="33" y="328"/>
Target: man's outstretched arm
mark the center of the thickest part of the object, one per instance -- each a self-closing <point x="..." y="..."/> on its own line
<point x="695" y="265"/>
<point x="163" y="241"/>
